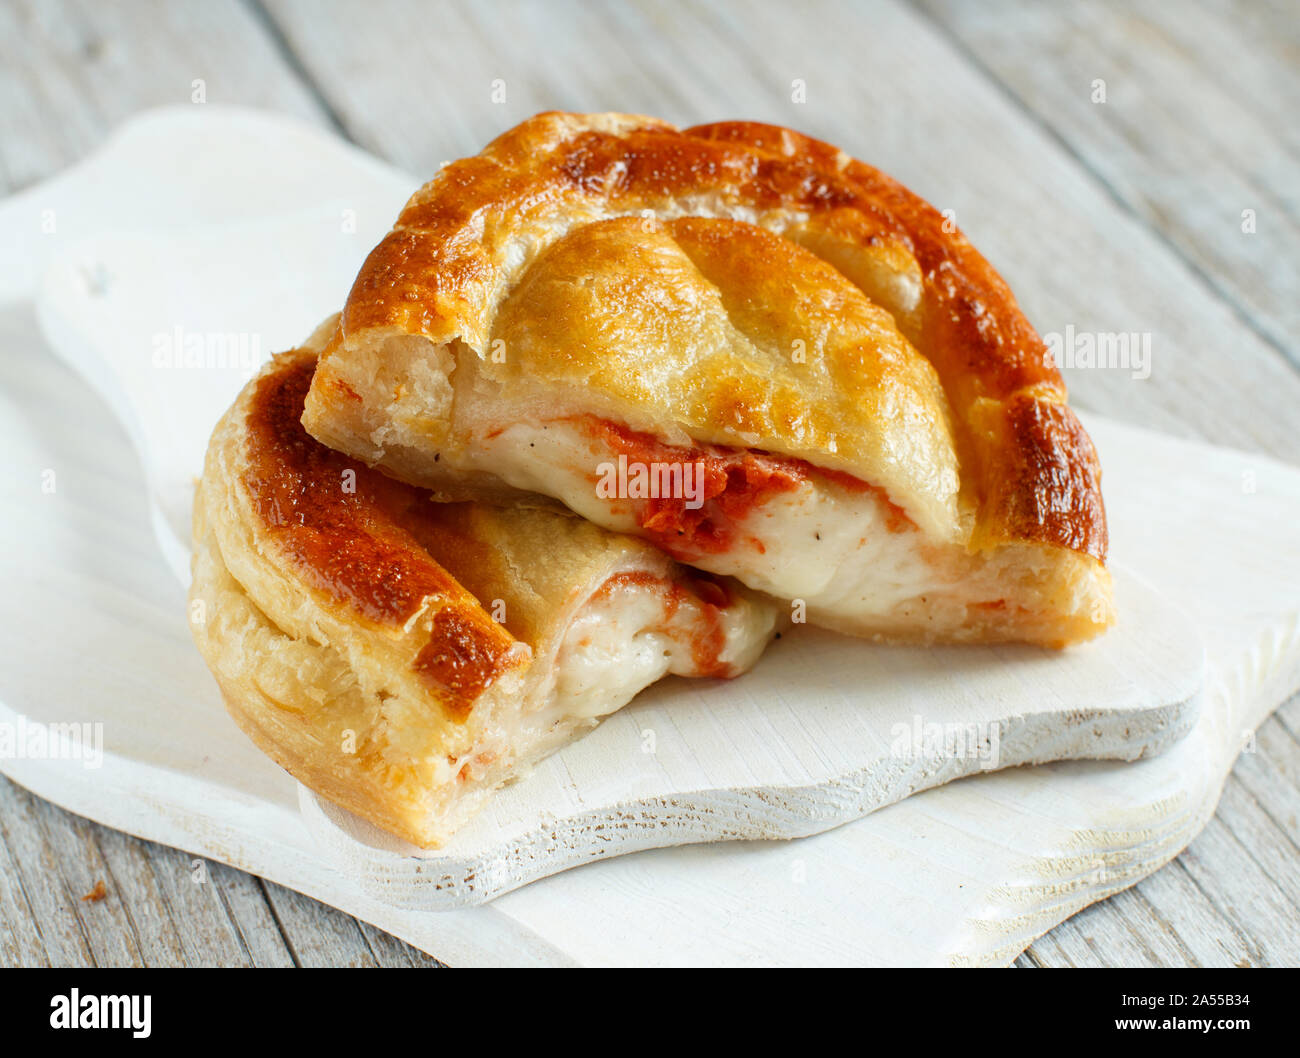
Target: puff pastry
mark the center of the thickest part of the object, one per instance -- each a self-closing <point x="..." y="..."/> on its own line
<point x="879" y="433"/>
<point x="403" y="657"/>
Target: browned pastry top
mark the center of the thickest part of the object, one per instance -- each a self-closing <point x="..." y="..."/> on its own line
<point x="863" y="267"/>
<point x="356" y="535"/>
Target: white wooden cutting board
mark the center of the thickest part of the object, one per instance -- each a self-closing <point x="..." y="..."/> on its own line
<point x="804" y="898"/>
<point x="823" y="731"/>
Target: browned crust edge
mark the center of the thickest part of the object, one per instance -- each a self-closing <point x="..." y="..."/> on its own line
<point x="1030" y="466"/>
<point x="352" y="543"/>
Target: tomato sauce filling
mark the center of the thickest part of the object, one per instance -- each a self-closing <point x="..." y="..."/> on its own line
<point x="735" y="482"/>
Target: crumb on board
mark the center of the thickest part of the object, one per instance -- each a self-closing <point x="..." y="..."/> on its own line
<point x="97" y="894"/>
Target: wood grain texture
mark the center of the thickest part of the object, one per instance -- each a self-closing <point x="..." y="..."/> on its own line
<point x="959" y="101"/>
<point x="73" y="69"/>
<point x="162" y="906"/>
<point x="1186" y="152"/>
<point x="1076" y="257"/>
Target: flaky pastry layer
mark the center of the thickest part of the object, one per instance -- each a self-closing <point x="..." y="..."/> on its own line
<point x="405" y="658"/>
<point x="739" y="287"/>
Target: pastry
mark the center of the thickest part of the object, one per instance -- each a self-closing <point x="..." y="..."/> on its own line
<point x="404" y="658"/>
<point x="739" y="343"/>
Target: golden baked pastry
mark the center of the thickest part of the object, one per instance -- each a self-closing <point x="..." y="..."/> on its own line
<point x="404" y="658"/>
<point x="770" y="359"/>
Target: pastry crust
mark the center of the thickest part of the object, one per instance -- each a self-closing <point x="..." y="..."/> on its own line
<point x="403" y="657"/>
<point x="733" y="285"/>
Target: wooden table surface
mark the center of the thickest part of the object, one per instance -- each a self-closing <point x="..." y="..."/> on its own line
<point x="1129" y="167"/>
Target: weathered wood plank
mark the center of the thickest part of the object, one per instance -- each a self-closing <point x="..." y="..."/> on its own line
<point x="1187" y="908"/>
<point x="21" y="939"/>
<point x="1077" y="258"/>
<point x="317" y="935"/>
<point x="1196" y="126"/>
<point x="1288" y="715"/>
<point x="1223" y="868"/>
<point x="1226" y="901"/>
<point x="1184" y="908"/>
<point x="248" y="912"/>
<point x="134" y="893"/>
<point x="1269" y="851"/>
<point x="189" y="890"/>
<point x="46" y="850"/>
<point x="70" y="70"/>
<point x="1271" y="775"/>
<point x="162" y="907"/>
<point x="1151" y="939"/>
<point x="389" y="951"/>
<point x="1081" y="940"/>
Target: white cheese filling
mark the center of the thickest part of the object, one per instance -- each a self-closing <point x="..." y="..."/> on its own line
<point x="837" y="550"/>
<point x="629" y="636"/>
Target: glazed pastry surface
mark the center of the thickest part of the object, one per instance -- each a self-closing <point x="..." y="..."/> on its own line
<point x="823" y="340"/>
<point x="403" y="657"/>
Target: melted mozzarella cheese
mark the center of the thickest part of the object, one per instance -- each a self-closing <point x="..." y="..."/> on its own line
<point x="626" y="638"/>
<point x="837" y="550"/>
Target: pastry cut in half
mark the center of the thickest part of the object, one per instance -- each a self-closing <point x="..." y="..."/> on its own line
<point x="404" y="658"/>
<point x="771" y="360"/>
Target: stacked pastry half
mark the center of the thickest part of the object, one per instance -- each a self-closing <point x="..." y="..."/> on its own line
<point x="611" y="401"/>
